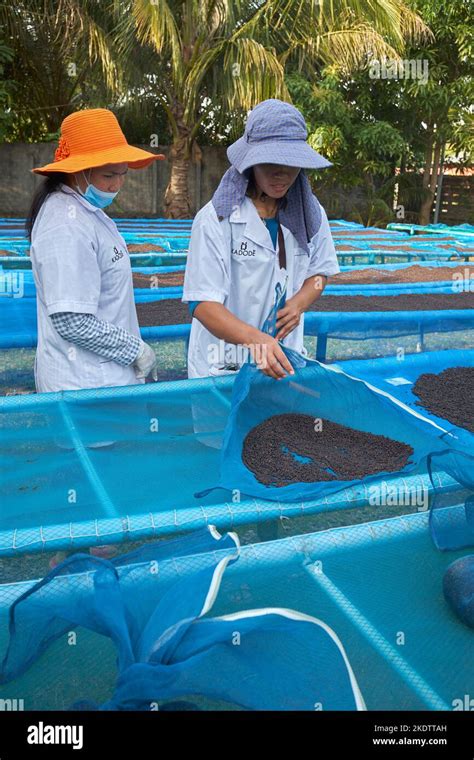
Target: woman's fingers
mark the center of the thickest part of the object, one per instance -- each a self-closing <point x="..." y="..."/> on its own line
<point x="287" y="319"/>
<point x="270" y="373"/>
<point x="273" y="372"/>
<point x="284" y="316"/>
<point x="268" y="369"/>
<point x="271" y="359"/>
<point x="277" y="365"/>
<point x="284" y="332"/>
<point x="287" y="329"/>
<point x="284" y="361"/>
<point x="270" y="366"/>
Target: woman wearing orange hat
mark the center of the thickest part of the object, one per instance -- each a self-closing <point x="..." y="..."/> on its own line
<point x="88" y="333"/>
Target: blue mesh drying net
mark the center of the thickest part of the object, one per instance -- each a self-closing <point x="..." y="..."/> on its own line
<point x="323" y="392"/>
<point x="166" y="644"/>
<point x="452" y="526"/>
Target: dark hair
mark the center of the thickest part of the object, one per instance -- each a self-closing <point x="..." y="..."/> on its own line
<point x="251" y="187"/>
<point x="49" y="185"/>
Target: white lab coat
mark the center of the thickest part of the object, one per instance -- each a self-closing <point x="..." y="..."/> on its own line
<point x="80" y="264"/>
<point x="233" y="262"/>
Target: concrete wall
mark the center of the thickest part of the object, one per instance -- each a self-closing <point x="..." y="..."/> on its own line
<point x="143" y="191"/>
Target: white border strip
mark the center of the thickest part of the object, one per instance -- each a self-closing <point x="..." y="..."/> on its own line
<point x="303" y="617"/>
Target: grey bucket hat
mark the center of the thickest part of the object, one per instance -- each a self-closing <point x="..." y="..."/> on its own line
<point x="275" y="133"/>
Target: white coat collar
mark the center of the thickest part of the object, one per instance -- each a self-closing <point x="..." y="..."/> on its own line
<point x="255" y="229"/>
<point x="80" y="198"/>
<point x="101" y="216"/>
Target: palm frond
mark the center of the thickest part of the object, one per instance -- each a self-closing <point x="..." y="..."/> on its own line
<point x="156" y="25"/>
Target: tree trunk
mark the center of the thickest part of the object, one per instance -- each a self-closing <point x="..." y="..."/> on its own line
<point x="177" y="205"/>
<point x="439" y="184"/>
<point x="434" y="174"/>
<point x="403" y="164"/>
<point x="396" y="189"/>
<point x="426" y="204"/>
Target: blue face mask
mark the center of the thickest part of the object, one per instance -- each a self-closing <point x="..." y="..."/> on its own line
<point x="98" y="198"/>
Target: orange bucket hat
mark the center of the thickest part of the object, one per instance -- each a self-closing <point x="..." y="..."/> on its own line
<point x="91" y="138"/>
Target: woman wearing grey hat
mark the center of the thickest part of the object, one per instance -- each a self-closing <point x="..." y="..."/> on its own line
<point x="263" y="238"/>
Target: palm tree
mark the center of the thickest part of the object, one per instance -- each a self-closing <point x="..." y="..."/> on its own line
<point x="234" y="54"/>
<point x="64" y="59"/>
<point x="207" y="61"/>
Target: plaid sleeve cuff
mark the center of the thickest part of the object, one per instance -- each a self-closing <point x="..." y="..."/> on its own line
<point x="98" y="336"/>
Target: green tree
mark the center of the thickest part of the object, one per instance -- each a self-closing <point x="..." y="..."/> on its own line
<point x="64" y="59"/>
<point x="443" y="105"/>
<point x="7" y="90"/>
<point x="217" y="60"/>
<point x="387" y="133"/>
<point x="204" y="63"/>
<point x="363" y="149"/>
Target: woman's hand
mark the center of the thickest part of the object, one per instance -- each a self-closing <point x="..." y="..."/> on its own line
<point x="269" y="356"/>
<point x="289" y="317"/>
<point x="145" y="363"/>
<point x="264" y="349"/>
